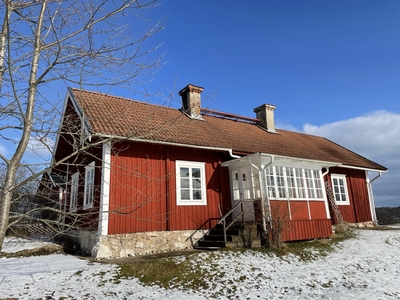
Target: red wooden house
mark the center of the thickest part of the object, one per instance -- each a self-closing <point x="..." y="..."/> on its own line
<point x="155" y="179"/>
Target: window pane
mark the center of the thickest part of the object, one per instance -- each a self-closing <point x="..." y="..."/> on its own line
<point x="196" y="183"/>
<point x="235" y="182"/>
<point x="184" y="172"/>
<point x="256" y="184"/>
<point x="270" y="182"/>
<point x="196" y="194"/>
<point x="300" y="183"/>
<point x="196" y="173"/>
<point x="280" y="181"/>
<point x="185" y="194"/>
<point x="184" y="183"/>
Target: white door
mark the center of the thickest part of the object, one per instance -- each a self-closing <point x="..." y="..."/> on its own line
<point x="242" y="190"/>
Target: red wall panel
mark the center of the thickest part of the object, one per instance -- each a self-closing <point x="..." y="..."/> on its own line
<point x="298" y="230"/>
<point x="143" y="189"/>
<point x="317" y="210"/>
<point x="359" y="209"/>
<point x="299" y="210"/>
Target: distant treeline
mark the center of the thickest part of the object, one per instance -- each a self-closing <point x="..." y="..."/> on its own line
<point x="388" y="215"/>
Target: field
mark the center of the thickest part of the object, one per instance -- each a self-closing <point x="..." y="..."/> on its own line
<point x="365" y="266"/>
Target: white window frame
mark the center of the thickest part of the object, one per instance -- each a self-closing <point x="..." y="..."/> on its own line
<point x="89" y="186"/>
<point x="301" y="181"/>
<point x="73" y="200"/>
<point x="190" y="164"/>
<point x="345" y="192"/>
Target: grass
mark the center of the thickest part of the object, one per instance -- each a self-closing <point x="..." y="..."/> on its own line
<point x="195" y="270"/>
<point x="166" y="272"/>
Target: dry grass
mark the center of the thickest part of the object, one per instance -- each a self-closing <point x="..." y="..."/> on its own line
<point x="45" y="250"/>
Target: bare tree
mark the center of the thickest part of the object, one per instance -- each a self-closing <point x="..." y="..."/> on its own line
<point x="48" y="41"/>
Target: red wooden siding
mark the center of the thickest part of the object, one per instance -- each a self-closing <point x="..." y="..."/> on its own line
<point x="143" y="189"/>
<point x="359" y="209"/>
<point x="317" y="210"/>
<point x="297" y="225"/>
<point x="298" y="230"/>
<point x="137" y="189"/>
<point x="299" y="210"/>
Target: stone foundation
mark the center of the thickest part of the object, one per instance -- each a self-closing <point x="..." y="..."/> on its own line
<point x="369" y="224"/>
<point x="139" y="243"/>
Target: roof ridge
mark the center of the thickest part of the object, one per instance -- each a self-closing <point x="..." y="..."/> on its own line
<point x="123" y="98"/>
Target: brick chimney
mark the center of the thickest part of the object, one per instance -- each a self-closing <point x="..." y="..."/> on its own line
<point x="191" y="100"/>
<point x="265" y="113"/>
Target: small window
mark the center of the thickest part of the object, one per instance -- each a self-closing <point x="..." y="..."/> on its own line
<point x="73" y="203"/>
<point x="89" y="186"/>
<point x="190" y="183"/>
<point x="340" y="189"/>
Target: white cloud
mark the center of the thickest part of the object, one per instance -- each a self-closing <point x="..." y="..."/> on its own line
<point x="3" y="150"/>
<point x="376" y="136"/>
<point x="281" y="124"/>
<point x="39" y="148"/>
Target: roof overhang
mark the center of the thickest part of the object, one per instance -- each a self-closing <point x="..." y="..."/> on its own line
<point x="263" y="159"/>
<point x="133" y="139"/>
<point x="364" y="169"/>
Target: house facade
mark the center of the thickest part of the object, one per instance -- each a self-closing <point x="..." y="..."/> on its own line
<point x="141" y="178"/>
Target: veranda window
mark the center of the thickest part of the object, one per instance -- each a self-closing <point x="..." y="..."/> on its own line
<point x="294" y="183"/>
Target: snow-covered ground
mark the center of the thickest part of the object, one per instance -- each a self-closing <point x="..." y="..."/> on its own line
<point x="367" y="267"/>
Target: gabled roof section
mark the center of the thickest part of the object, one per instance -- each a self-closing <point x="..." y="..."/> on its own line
<point x="120" y="117"/>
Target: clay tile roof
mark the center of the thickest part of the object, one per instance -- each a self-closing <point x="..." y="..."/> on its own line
<point x="117" y="116"/>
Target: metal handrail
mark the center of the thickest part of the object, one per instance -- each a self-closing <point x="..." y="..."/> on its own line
<point x="223" y="219"/>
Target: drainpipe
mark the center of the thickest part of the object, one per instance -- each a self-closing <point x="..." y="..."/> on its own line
<point x="233" y="155"/>
<point x="371" y="195"/>
<point x="326" y="172"/>
<point x="328" y="214"/>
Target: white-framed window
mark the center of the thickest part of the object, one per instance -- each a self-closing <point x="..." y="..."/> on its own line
<point x="339" y="187"/>
<point x="294" y="183"/>
<point x="73" y="201"/>
<point x="89" y="186"/>
<point x="190" y="183"/>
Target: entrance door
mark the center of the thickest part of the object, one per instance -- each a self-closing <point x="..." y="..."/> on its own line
<point x="242" y="190"/>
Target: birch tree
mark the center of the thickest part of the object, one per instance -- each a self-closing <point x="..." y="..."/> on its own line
<point x="78" y="43"/>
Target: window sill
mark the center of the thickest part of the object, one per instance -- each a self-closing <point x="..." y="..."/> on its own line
<point x="191" y="203"/>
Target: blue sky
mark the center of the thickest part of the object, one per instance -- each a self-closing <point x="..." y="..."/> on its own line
<point x="332" y="68"/>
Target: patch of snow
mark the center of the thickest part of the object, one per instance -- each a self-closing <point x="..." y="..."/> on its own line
<point x="15" y="244"/>
<point x="366" y="267"/>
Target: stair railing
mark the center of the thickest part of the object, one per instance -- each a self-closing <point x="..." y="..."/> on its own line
<point x="223" y="219"/>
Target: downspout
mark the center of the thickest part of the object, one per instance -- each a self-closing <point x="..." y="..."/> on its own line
<point x="233" y="155"/>
<point x="326" y="172"/>
<point x="371" y="195"/>
<point x="328" y="214"/>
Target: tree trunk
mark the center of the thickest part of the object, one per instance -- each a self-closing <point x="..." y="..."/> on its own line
<point x="13" y="164"/>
